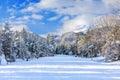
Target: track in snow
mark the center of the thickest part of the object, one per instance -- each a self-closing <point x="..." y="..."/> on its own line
<point x="60" y="67"/>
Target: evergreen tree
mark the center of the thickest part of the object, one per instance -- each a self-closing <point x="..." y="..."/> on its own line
<point x="7" y="43"/>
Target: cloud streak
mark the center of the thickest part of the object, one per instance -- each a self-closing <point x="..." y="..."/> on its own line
<point x="54" y="18"/>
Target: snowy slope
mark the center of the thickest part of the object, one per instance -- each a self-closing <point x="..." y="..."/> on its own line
<point x="60" y="67"/>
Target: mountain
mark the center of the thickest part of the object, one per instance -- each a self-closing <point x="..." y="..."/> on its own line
<point x="68" y="37"/>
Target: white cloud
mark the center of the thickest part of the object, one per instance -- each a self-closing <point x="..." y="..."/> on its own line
<point x="25" y="19"/>
<point x="46" y="4"/>
<point x="79" y="23"/>
<point x="112" y="3"/>
<point x="11" y="11"/>
<point x="82" y="9"/>
<point x="65" y="18"/>
<point x="35" y="16"/>
<point x="54" y="18"/>
<point x="28" y="17"/>
<point x="83" y="12"/>
<point x="21" y="20"/>
<point x="19" y="27"/>
<point x="71" y="7"/>
<point x="109" y="1"/>
<point x="12" y="17"/>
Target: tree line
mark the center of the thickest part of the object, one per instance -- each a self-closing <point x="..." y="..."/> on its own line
<point x="22" y="45"/>
<point x="101" y="39"/>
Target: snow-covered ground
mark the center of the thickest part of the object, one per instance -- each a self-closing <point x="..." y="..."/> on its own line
<point x="60" y="67"/>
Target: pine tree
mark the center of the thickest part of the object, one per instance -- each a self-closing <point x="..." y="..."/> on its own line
<point x="7" y="43"/>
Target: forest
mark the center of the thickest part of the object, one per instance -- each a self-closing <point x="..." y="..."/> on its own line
<point x="101" y="39"/>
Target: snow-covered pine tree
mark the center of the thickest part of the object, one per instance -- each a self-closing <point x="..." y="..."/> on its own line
<point x="7" y="43"/>
<point x="16" y="44"/>
<point x="25" y="54"/>
<point x="51" y="44"/>
<point x="2" y="56"/>
<point x="32" y="43"/>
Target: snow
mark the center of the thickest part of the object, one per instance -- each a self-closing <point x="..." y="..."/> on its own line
<point x="2" y="60"/>
<point x="60" y="67"/>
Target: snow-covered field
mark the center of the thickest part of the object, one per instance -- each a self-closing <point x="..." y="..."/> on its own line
<point x="60" y="67"/>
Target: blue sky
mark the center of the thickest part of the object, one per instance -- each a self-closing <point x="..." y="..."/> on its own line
<point x="52" y="16"/>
